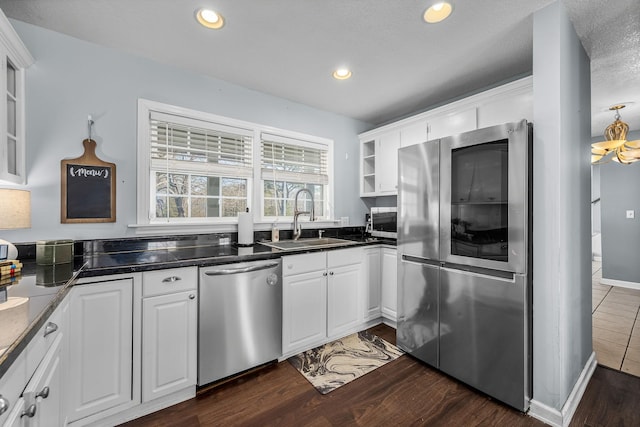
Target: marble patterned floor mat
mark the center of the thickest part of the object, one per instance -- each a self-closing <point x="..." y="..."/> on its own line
<point x="339" y="362"/>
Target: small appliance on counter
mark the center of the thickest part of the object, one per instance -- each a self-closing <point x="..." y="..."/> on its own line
<point x="50" y="252"/>
<point x="384" y="222"/>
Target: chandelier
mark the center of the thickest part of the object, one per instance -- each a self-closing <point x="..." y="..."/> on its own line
<point x="616" y="147"/>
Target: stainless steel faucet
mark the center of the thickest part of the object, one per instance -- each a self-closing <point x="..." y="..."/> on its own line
<point x="296" y="226"/>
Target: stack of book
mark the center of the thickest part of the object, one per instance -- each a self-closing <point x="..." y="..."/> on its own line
<point x="9" y="272"/>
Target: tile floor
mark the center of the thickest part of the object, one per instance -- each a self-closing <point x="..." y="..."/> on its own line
<point x="616" y="324"/>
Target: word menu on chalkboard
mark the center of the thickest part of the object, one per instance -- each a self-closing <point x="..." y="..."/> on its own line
<point x="88" y="188"/>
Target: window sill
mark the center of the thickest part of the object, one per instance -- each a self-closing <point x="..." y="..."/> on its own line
<point x="200" y="228"/>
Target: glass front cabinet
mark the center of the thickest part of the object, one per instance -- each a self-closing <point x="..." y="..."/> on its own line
<point x="14" y="60"/>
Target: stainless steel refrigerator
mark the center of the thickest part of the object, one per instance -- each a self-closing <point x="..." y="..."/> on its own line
<point x="464" y="258"/>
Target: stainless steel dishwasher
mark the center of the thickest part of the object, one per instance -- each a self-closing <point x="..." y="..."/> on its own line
<point x="239" y="318"/>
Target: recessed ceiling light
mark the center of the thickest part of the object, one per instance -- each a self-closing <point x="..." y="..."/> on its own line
<point x="437" y="12"/>
<point x="210" y="18"/>
<point x="342" y="74"/>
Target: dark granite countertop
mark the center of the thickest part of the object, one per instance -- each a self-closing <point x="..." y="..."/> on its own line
<point x="44" y="287"/>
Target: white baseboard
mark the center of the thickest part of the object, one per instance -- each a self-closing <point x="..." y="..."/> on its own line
<point x="147" y="408"/>
<point x="562" y="418"/>
<point x="620" y="283"/>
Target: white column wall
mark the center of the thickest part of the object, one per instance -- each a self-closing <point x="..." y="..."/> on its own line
<point x="562" y="216"/>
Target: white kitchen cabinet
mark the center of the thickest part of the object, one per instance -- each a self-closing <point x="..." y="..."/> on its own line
<point x="451" y="123"/>
<point x="15" y="416"/>
<point x="513" y="106"/>
<point x="15" y="58"/>
<point x="322" y="294"/>
<point x="378" y="173"/>
<point x="100" y="348"/>
<point x="367" y="167"/>
<point x="169" y="331"/>
<point x="389" y="276"/>
<point x="372" y="278"/>
<point x="304" y="301"/>
<point x="32" y="386"/>
<point x="43" y="394"/>
<point x="344" y="291"/>
<point x="387" y="163"/>
<point x="413" y="133"/>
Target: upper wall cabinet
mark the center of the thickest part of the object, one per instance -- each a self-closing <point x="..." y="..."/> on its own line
<point x="14" y="60"/>
<point x="511" y="102"/>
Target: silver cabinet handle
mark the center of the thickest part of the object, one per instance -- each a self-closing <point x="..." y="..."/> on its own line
<point x="30" y="411"/>
<point x="44" y="393"/>
<point x="324" y="274"/>
<point x="192" y="296"/>
<point x="171" y="279"/>
<point x="50" y="328"/>
<point x="331" y="273"/>
<point x="4" y="404"/>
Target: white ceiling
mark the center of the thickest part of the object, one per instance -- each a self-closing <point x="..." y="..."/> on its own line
<point x="400" y="64"/>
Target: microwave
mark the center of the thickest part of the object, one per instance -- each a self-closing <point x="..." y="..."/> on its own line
<point x="384" y="222"/>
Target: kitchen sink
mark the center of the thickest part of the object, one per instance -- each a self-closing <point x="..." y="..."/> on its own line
<point x="318" y="242"/>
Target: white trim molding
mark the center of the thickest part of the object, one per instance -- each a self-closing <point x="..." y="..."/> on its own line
<point x="562" y="417"/>
<point x="17" y="50"/>
<point x="620" y="283"/>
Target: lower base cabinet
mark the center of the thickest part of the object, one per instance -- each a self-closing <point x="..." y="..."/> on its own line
<point x="389" y="283"/>
<point x="169" y="332"/>
<point x="100" y="347"/>
<point x="322" y="294"/>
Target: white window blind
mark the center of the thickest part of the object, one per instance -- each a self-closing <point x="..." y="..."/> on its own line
<point x="286" y="159"/>
<point x="198" y="169"/>
<point x="180" y="144"/>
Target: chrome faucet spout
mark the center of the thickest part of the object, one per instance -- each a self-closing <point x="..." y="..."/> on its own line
<point x="297" y="231"/>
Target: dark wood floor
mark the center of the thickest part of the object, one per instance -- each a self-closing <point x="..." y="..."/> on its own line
<point x="404" y="392"/>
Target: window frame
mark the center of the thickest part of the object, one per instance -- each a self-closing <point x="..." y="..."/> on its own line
<point x="255" y="184"/>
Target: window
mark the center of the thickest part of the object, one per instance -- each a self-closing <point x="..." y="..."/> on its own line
<point x="289" y="165"/>
<point x="198" y="168"/>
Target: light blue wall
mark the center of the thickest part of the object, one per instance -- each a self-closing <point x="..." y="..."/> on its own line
<point x="72" y="79"/>
<point x="620" y="236"/>
<point x="561" y="210"/>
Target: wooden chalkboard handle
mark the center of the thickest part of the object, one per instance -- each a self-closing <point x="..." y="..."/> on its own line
<point x="89" y="155"/>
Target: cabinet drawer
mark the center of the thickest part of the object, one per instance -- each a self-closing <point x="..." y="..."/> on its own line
<point x="297" y="264"/>
<point x="339" y="257"/>
<point x="162" y="282"/>
<point x="40" y="343"/>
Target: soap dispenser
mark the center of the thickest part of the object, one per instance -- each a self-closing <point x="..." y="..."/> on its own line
<point x="275" y="233"/>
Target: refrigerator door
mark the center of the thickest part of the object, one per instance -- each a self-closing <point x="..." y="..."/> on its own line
<point x="484" y="204"/>
<point x="417" y="327"/>
<point x="418" y="200"/>
<point x="483" y="333"/>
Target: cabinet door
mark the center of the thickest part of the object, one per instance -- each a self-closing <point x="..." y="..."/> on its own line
<point x="387" y="163"/>
<point x="389" y="283"/>
<point x="46" y="389"/>
<point x="15" y="418"/>
<point x="414" y="133"/>
<point x="452" y="124"/>
<point x="169" y="327"/>
<point x="100" y="347"/>
<point x="304" y="317"/>
<point x="510" y="108"/>
<point x="343" y="299"/>
<point x="372" y="269"/>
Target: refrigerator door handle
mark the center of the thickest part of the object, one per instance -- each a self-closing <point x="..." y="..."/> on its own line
<point x="510" y="278"/>
<point x="417" y="260"/>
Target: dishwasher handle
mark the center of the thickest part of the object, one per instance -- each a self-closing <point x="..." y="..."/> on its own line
<point x="247" y="269"/>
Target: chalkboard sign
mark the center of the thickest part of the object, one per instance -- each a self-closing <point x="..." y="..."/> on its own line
<point x="88" y="188"/>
